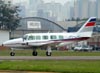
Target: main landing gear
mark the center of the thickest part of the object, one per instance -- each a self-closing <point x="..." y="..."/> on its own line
<point x="48" y="52"/>
<point x="34" y="53"/>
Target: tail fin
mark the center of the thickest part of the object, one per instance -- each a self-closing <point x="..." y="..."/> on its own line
<point x="87" y="29"/>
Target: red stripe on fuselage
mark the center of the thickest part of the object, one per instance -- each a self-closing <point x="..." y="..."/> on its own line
<point x="90" y="24"/>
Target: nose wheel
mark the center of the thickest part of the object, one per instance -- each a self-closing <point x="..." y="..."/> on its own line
<point x="12" y="54"/>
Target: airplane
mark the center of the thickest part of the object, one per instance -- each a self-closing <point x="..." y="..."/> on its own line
<point x="39" y="40"/>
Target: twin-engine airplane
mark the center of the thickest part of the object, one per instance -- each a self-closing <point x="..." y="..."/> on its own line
<point x="39" y="40"/>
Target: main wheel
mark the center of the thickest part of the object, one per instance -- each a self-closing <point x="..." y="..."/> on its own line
<point x="48" y="53"/>
<point x="34" y="53"/>
<point x="12" y="54"/>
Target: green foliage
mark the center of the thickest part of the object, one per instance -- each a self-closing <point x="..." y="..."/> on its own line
<point x="9" y="18"/>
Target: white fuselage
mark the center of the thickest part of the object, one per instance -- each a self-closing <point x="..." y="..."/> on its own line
<point x="42" y="39"/>
<point x="48" y="39"/>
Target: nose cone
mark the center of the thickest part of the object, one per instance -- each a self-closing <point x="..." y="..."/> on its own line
<point x="7" y="43"/>
<point x="2" y="45"/>
<point x="12" y="43"/>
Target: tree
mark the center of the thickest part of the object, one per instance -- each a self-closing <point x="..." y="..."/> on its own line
<point x="9" y="18"/>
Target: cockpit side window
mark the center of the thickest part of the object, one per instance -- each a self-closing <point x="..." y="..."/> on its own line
<point x="31" y="37"/>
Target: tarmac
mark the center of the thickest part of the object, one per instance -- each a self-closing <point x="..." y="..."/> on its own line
<point x="49" y="57"/>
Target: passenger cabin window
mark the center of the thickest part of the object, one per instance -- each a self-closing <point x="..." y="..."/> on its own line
<point x="45" y="37"/>
<point x="38" y="37"/>
<point x="31" y="37"/>
<point x="61" y="37"/>
<point x="53" y="37"/>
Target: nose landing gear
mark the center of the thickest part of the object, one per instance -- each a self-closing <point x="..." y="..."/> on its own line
<point x="12" y="54"/>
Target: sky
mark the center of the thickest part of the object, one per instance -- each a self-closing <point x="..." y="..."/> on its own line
<point x="59" y="1"/>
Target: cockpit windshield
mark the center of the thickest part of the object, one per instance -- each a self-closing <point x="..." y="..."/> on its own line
<point x="25" y="37"/>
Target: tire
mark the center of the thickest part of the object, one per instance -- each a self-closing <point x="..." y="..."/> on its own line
<point x="34" y="53"/>
<point x="48" y="53"/>
<point x="12" y="54"/>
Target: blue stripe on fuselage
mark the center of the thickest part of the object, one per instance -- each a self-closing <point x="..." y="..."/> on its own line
<point x="93" y="20"/>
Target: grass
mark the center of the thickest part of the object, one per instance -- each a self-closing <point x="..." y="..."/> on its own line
<point x="52" y="66"/>
<point x="54" y="53"/>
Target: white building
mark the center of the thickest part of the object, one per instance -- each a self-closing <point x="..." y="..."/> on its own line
<point x="85" y="8"/>
<point x="4" y="36"/>
<point x="55" y="10"/>
<point x="98" y="8"/>
<point x="66" y="10"/>
<point x="92" y="9"/>
<point x="7" y="1"/>
<point x="81" y="9"/>
<point x="76" y="10"/>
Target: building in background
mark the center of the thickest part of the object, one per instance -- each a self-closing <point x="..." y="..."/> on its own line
<point x="8" y="1"/>
<point x="60" y="12"/>
<point x="81" y="9"/>
<point x="86" y="8"/>
<point x="66" y="10"/>
<point x="35" y="25"/>
<point x="92" y="9"/>
<point x="54" y="9"/>
<point x="98" y="8"/>
<point x="4" y="35"/>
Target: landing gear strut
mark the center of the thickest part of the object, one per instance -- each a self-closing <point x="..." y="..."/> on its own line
<point x="34" y="53"/>
<point x="48" y="52"/>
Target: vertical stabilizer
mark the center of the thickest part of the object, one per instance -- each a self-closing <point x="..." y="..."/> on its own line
<point x="87" y="28"/>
